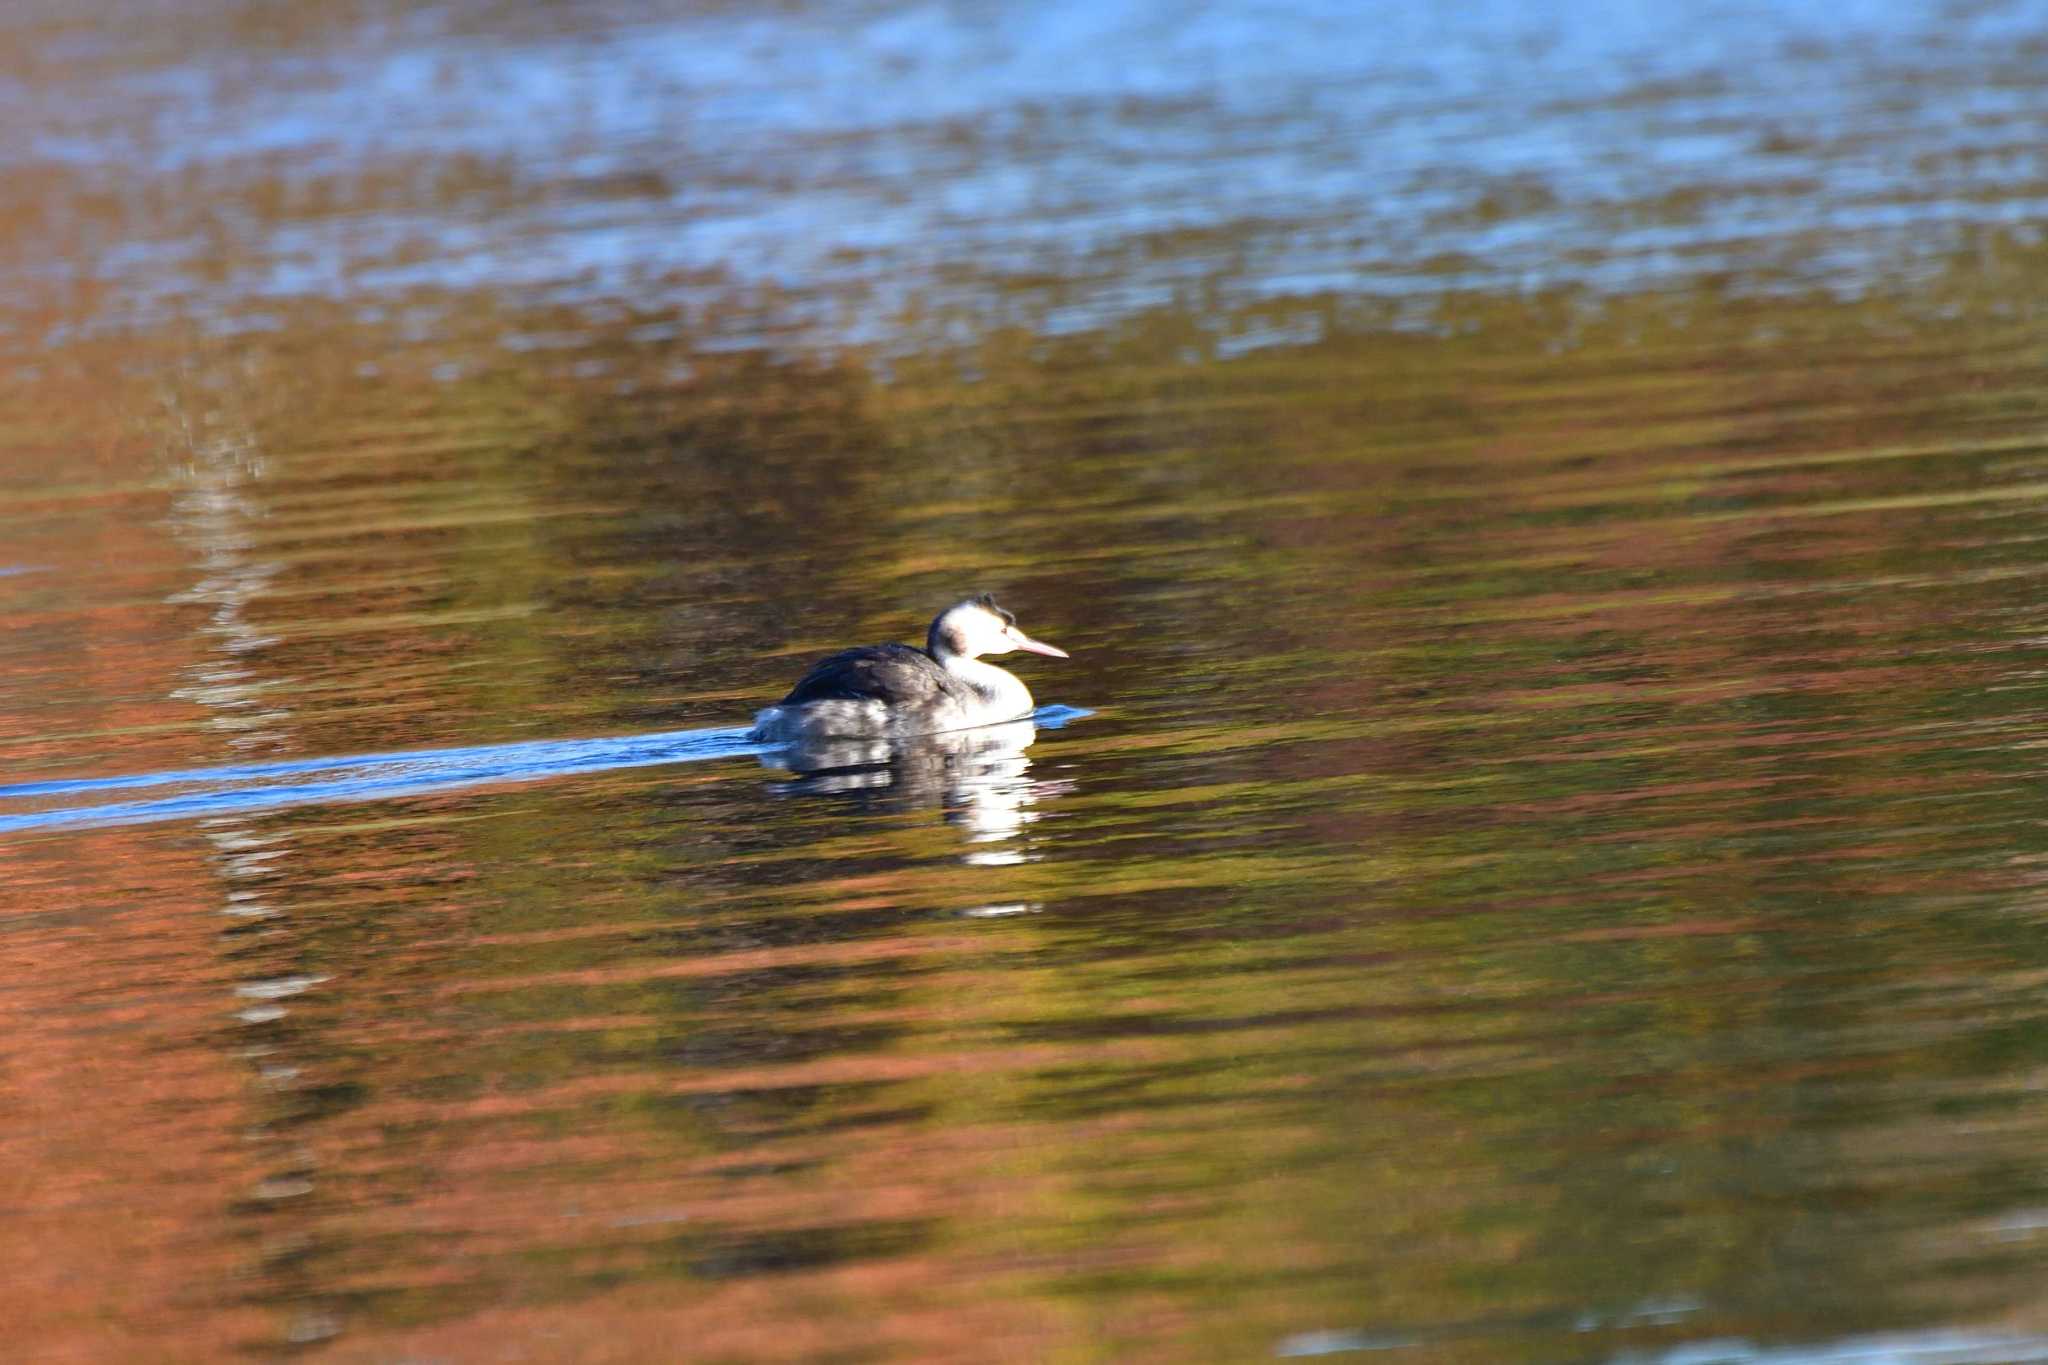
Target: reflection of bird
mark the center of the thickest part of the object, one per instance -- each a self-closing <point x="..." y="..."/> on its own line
<point x="885" y="691"/>
<point x="979" y="778"/>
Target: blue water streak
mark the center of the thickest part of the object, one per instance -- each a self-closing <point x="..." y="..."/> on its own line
<point x="245" y="787"/>
<point x="242" y="788"/>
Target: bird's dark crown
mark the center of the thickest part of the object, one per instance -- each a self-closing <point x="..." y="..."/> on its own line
<point x="988" y="600"/>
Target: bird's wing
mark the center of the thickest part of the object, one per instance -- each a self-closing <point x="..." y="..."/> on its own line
<point x="895" y="675"/>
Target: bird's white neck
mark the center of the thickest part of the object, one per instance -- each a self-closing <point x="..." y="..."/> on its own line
<point x="1004" y="692"/>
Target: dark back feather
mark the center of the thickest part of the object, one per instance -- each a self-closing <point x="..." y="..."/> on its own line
<point x="895" y="675"/>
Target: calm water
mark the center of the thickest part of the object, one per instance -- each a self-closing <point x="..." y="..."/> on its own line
<point x="1535" y="855"/>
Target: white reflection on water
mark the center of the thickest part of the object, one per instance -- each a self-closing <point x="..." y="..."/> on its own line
<point x="1943" y="1347"/>
<point x="979" y="777"/>
<point x="214" y="514"/>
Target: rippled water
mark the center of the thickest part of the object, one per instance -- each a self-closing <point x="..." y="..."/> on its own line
<point x="1532" y="856"/>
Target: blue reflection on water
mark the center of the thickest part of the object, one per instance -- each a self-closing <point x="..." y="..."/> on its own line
<point x="827" y="148"/>
<point x="244" y="787"/>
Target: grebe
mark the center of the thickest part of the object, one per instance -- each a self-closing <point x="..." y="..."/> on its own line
<point x="889" y="691"/>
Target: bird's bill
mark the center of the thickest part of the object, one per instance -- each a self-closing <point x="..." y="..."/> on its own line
<point x="1023" y="641"/>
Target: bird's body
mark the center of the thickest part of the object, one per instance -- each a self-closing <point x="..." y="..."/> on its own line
<point x="892" y="690"/>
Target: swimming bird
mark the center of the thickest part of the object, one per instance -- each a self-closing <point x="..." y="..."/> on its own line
<point x="890" y="691"/>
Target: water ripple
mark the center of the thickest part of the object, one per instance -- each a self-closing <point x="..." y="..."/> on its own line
<point x="241" y="787"/>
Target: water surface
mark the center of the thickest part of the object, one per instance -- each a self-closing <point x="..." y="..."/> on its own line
<point x="1545" y="509"/>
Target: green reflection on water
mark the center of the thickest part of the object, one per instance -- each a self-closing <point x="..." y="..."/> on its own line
<point x="1558" y="834"/>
